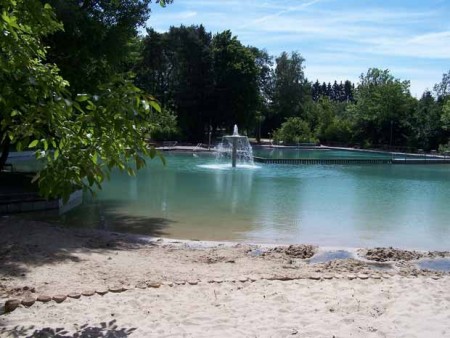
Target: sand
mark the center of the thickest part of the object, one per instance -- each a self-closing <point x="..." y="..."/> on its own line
<point x="195" y="289"/>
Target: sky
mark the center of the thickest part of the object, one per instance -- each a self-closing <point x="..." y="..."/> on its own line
<point x="339" y="39"/>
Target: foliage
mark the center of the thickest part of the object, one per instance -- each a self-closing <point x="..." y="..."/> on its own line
<point x="293" y="131"/>
<point x="383" y="104"/>
<point x="79" y="140"/>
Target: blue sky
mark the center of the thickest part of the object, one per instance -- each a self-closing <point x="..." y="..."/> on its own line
<point x="340" y="39"/>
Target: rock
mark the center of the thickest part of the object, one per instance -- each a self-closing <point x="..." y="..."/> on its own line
<point x="327" y="277"/>
<point x="59" y="298"/>
<point x="116" y="289"/>
<point x="363" y="276"/>
<point x="88" y="293"/>
<point x="170" y="284"/>
<point x="44" y="298"/>
<point x="314" y="277"/>
<point x="192" y="282"/>
<point x="11" y="305"/>
<point x="74" y="295"/>
<point x="141" y="285"/>
<point x="102" y="291"/>
<point x="376" y="276"/>
<point x="28" y="301"/>
<point x="351" y="276"/>
<point x="243" y="279"/>
<point x="180" y="282"/>
<point x="217" y="280"/>
<point x="154" y="285"/>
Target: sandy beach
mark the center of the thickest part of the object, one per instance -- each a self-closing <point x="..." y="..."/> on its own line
<point x="118" y="285"/>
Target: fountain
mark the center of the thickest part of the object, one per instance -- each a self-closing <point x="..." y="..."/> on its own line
<point x="237" y="147"/>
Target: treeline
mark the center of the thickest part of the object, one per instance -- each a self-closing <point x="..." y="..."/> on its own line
<point x="210" y="82"/>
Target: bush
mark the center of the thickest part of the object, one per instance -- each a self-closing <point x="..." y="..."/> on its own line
<point x="294" y="131"/>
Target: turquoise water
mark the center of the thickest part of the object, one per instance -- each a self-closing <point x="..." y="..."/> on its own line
<point x="277" y="153"/>
<point x="333" y="205"/>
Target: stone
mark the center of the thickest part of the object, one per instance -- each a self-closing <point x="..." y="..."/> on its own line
<point x="11" y="305"/>
<point x="243" y="279"/>
<point x="314" y="277"/>
<point x="363" y="276"/>
<point x="141" y="286"/>
<point x="180" y="282"/>
<point x="154" y="285"/>
<point x="376" y="276"/>
<point x="74" y="295"/>
<point x="44" y="298"/>
<point x="216" y="280"/>
<point x="116" y="289"/>
<point x="327" y="277"/>
<point x="28" y="301"/>
<point x="102" y="291"/>
<point x="351" y="277"/>
<point x="88" y="293"/>
<point x="59" y="298"/>
<point x="170" y="284"/>
<point x="192" y="282"/>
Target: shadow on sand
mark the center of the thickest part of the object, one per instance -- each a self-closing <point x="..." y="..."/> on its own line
<point x="25" y="242"/>
<point x="104" y="330"/>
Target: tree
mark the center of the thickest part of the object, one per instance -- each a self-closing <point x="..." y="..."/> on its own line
<point x="79" y="140"/>
<point x="290" y="87"/>
<point x="382" y="109"/>
<point x="235" y="82"/>
<point x="442" y="89"/>
<point x="95" y="42"/>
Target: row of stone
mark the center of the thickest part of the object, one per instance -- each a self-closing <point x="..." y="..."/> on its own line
<point x="12" y="304"/>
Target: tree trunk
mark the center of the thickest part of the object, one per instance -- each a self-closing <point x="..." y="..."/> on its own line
<point x="4" y="147"/>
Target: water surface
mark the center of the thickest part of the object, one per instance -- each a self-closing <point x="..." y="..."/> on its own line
<point x="406" y="206"/>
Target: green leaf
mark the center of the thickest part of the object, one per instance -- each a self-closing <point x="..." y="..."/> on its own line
<point x="82" y="97"/>
<point x="33" y="144"/>
<point x="152" y="152"/>
<point x="45" y="144"/>
<point x="56" y="154"/>
<point x="94" y="158"/>
<point x="155" y="105"/>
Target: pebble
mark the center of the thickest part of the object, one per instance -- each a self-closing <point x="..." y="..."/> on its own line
<point x="44" y="298"/>
<point x="169" y="284"/>
<point x="243" y="279"/>
<point x="74" y="295"/>
<point x="141" y="286"/>
<point x="154" y="285"/>
<point x="327" y="277"/>
<point x="116" y="289"/>
<point x="218" y="281"/>
<point x="314" y="277"/>
<point x="102" y="291"/>
<point x="28" y="301"/>
<point x="180" y="282"/>
<point x="192" y="282"/>
<point x="59" y="298"/>
<point x="11" y="305"/>
<point x="376" y="276"/>
<point x="88" y="293"/>
<point x="363" y="276"/>
<point x="351" y="277"/>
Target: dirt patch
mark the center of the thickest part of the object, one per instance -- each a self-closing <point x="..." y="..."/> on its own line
<point x="392" y="254"/>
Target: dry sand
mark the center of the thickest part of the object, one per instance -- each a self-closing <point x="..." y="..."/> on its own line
<point x="193" y="289"/>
